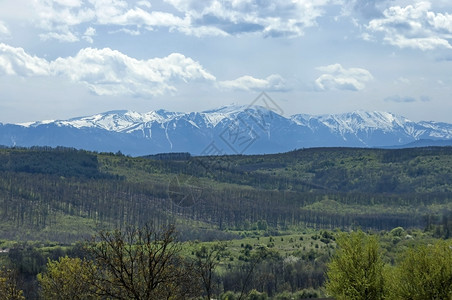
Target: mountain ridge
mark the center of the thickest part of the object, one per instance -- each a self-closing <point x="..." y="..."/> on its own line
<point x="233" y="129"/>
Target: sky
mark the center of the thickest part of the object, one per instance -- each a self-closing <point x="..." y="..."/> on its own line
<point x="67" y="58"/>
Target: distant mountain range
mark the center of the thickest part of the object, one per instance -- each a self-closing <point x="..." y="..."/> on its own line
<point x="226" y="130"/>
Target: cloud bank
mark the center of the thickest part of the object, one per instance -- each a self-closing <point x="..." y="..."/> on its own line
<point x="64" y="20"/>
<point x="414" y="26"/>
<point x="108" y="72"/>
<point x="112" y="73"/>
<point x="336" y="77"/>
<point x="270" y="18"/>
<point x="248" y="83"/>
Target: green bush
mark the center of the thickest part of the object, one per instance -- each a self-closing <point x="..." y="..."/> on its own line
<point x="255" y="295"/>
<point x="424" y="273"/>
<point x="229" y="295"/>
<point x="356" y="271"/>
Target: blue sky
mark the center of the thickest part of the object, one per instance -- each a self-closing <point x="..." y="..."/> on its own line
<point x="67" y="58"/>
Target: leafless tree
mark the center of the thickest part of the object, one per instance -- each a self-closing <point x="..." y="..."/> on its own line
<point x="141" y="263"/>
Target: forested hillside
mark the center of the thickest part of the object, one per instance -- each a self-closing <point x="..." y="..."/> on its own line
<point x="65" y="194"/>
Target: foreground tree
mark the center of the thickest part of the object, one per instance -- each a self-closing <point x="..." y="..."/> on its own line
<point x="424" y="273"/>
<point x="67" y="278"/>
<point x="356" y="271"/>
<point x="8" y="285"/>
<point x="141" y="263"/>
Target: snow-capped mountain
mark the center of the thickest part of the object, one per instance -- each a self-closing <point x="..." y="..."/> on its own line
<point x="228" y="129"/>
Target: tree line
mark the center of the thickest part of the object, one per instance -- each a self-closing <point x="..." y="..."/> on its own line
<point x="38" y="186"/>
<point x="147" y="263"/>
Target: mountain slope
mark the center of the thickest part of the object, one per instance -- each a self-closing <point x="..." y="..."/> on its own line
<point x="63" y="194"/>
<point x="226" y="130"/>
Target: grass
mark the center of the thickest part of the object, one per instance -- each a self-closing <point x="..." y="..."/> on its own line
<point x="66" y="227"/>
<point x="308" y="245"/>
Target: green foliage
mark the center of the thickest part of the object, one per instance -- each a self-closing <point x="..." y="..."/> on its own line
<point x="139" y="263"/>
<point x="229" y="295"/>
<point x="42" y="190"/>
<point x="424" y="273"/>
<point x="398" y="231"/>
<point x="262" y="225"/>
<point x="286" y="270"/>
<point x="66" y="194"/>
<point x="306" y="294"/>
<point x="8" y="285"/>
<point x="284" y="296"/>
<point x="356" y="271"/>
<point x="441" y="227"/>
<point x="60" y="161"/>
<point x="255" y="295"/>
<point x="67" y="278"/>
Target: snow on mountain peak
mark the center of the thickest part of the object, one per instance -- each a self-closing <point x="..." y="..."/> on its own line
<point x="117" y="120"/>
<point x="227" y="109"/>
<point x="363" y="120"/>
<point x="344" y="125"/>
<point x="36" y="123"/>
<point x="164" y="130"/>
<point x="231" y="112"/>
<point x="128" y="121"/>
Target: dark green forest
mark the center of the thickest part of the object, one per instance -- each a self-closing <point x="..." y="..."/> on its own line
<point x="277" y="215"/>
<point x="64" y="194"/>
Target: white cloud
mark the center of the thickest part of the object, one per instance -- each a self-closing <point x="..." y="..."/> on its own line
<point x="108" y="72"/>
<point x="62" y="36"/>
<point x="15" y="61"/>
<point x="246" y="83"/>
<point x="127" y="31"/>
<point x="60" y="18"/>
<point x="369" y="9"/>
<point x="88" y="35"/>
<point x="106" y="10"/>
<point x="137" y="16"/>
<point x="201" y="31"/>
<point x="338" y="78"/>
<point x="4" y="31"/>
<point x="66" y="20"/>
<point x="69" y="3"/>
<point x="271" y="18"/>
<point x="144" y="3"/>
<point x="90" y="31"/>
<point x="51" y="16"/>
<point x="414" y="26"/>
